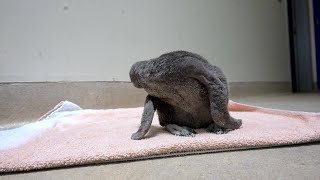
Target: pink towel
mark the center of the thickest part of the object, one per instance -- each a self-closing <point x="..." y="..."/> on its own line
<point x="69" y="135"/>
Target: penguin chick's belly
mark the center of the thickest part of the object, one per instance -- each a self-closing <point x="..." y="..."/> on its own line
<point x="188" y="95"/>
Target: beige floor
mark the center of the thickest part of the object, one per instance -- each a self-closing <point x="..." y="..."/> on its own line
<point x="290" y="162"/>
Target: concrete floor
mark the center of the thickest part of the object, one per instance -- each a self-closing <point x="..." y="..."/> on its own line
<point x="290" y="162"/>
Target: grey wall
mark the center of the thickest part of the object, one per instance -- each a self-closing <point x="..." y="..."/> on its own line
<point x="95" y="40"/>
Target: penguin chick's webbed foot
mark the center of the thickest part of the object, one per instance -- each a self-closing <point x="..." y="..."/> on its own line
<point x="213" y="128"/>
<point x="180" y="131"/>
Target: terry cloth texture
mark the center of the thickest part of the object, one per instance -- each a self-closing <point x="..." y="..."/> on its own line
<point x="68" y="135"/>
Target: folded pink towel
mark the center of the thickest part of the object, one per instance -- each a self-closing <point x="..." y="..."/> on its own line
<point x="69" y="135"/>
